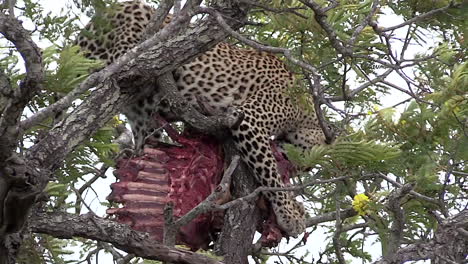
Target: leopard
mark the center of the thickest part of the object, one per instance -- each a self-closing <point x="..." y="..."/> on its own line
<point x="256" y="83"/>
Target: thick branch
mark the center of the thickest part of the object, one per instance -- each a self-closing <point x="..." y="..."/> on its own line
<point x="235" y="239"/>
<point x="62" y="225"/>
<point x="212" y="125"/>
<point x="398" y="224"/>
<point x="13" y="30"/>
<point x="18" y="183"/>
<point x="449" y="244"/>
<point x="147" y="72"/>
<point x="156" y="59"/>
<point x="94" y="79"/>
<point x="140" y="66"/>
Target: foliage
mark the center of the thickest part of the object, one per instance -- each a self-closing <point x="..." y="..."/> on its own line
<point x="418" y="136"/>
<point x="341" y="152"/>
<point x="51" y="27"/>
<point x="66" y="68"/>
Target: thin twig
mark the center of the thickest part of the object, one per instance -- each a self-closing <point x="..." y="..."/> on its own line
<point x="259" y="46"/>
<point x="327" y="217"/>
<point x="412" y="192"/>
<point x="321" y="18"/>
<point x="422" y="16"/>
<point x="364" y="23"/>
<point x="210" y="202"/>
<point x="357" y="90"/>
<point x="317" y="96"/>
<point x="338" y="226"/>
<point x="267" y="7"/>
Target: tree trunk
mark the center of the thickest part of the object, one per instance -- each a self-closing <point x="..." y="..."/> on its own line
<point x="235" y="241"/>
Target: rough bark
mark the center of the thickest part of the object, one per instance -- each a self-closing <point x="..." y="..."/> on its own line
<point x="63" y="225"/>
<point x="235" y="241"/>
<point x="16" y="99"/>
<point x="139" y="72"/>
<point x="114" y="88"/>
<point x="18" y="184"/>
<point x="449" y="245"/>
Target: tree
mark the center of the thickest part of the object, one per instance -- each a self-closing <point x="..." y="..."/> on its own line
<point x="396" y="174"/>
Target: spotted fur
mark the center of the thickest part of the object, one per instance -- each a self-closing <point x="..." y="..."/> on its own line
<point x="255" y="82"/>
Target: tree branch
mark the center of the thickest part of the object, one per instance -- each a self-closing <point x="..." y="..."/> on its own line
<point x="209" y="203"/>
<point x="398" y="224"/>
<point x="267" y="7"/>
<point x="214" y="125"/>
<point x="412" y="192"/>
<point x="154" y="34"/>
<point x="448" y="245"/>
<point x="422" y="16"/>
<point x="338" y="227"/>
<point x="357" y="90"/>
<point x="158" y="18"/>
<point x="157" y="57"/>
<point x="256" y="45"/>
<point x="321" y="18"/>
<point x="235" y="239"/>
<point x="327" y="217"/>
<point x="67" y="226"/>
<point x="137" y="68"/>
<point x="13" y="30"/>
<point x="18" y="183"/>
<point x="364" y="23"/>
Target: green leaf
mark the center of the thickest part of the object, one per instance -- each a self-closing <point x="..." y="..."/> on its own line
<point x="343" y="150"/>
